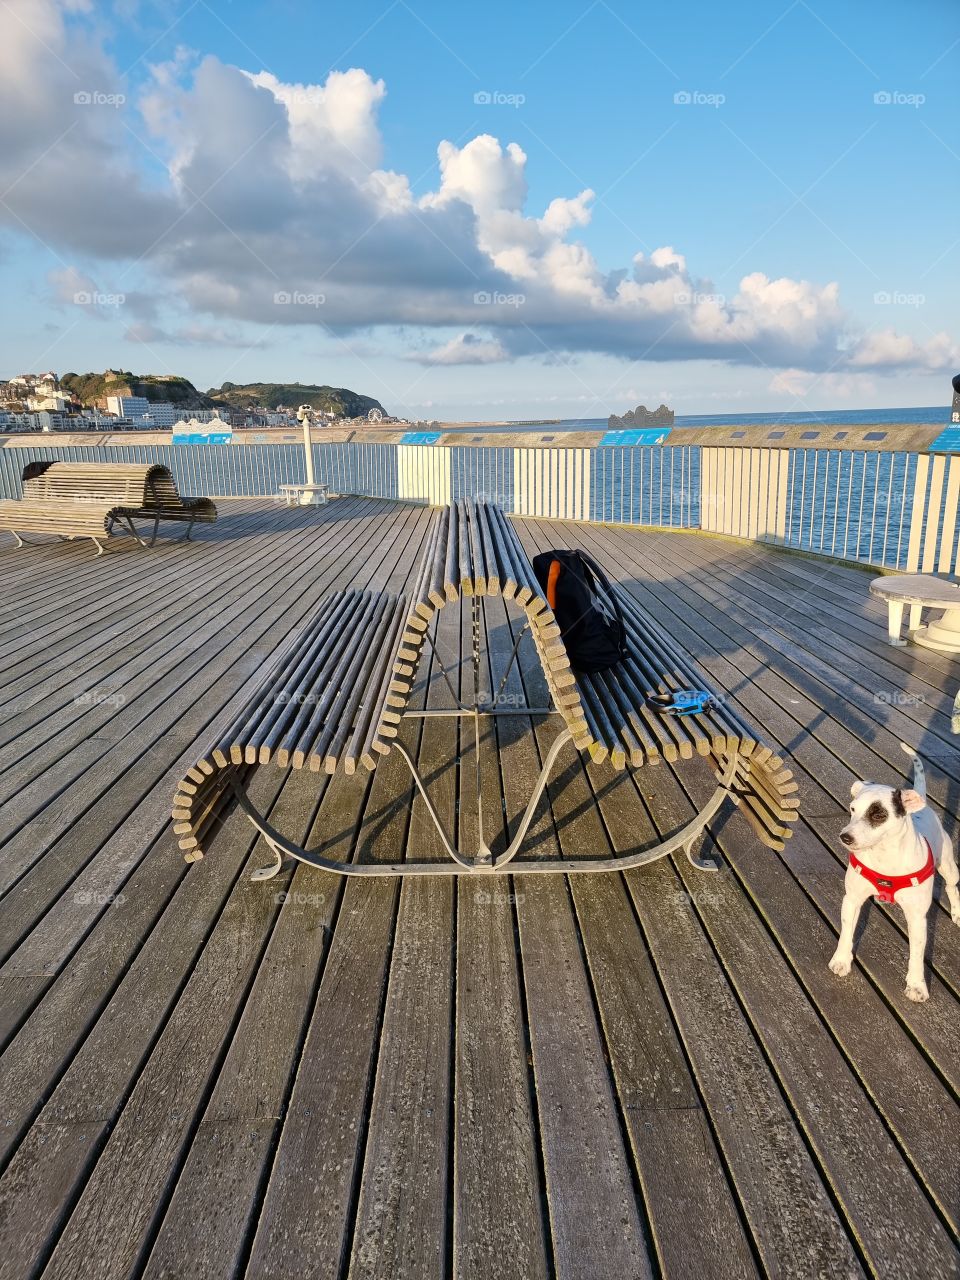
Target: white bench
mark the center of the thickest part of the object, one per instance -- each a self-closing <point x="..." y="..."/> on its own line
<point x="921" y="591"/>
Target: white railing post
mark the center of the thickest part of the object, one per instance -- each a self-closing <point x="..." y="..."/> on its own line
<point x="423" y="473"/>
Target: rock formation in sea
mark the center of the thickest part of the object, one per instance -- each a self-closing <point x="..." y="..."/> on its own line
<point x="642" y="417"/>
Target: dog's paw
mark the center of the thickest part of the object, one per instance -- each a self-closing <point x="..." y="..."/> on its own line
<point x="917" y="992"/>
<point x="840" y="965"/>
<point x="955" y="916"/>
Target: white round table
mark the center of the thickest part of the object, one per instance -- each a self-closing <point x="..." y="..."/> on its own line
<point x="922" y="591"/>
<point x="304" y="495"/>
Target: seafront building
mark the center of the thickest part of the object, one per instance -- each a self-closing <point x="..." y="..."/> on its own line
<point x="128" y="406"/>
<point x="144" y="412"/>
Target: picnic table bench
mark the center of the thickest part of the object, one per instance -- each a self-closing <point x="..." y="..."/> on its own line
<point x="336" y="699"/>
<point x="87" y="500"/>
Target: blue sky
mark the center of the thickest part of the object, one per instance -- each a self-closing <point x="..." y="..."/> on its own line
<point x="224" y="202"/>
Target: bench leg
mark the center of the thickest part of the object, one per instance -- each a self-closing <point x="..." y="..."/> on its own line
<point x="894" y="622"/>
<point x="684" y="838"/>
<point x="269" y="871"/>
<point x="914" y="619"/>
<point x="538" y="789"/>
<point x="129" y="523"/>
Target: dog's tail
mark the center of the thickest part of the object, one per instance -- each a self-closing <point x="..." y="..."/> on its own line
<point x="919" y="777"/>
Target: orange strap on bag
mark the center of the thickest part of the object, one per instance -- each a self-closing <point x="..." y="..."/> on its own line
<point x="552" y="578"/>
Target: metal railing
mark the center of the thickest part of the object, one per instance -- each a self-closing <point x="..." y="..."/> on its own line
<point x="889" y="507"/>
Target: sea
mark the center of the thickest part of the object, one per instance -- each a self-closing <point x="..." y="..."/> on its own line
<point x="930" y="415"/>
<point x="845" y="504"/>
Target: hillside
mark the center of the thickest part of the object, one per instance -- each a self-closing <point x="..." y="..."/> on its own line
<point x="90" y="388"/>
<point x="338" y="400"/>
<point x="93" y="388"/>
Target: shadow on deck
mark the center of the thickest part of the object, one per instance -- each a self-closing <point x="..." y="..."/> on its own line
<point x="611" y="1076"/>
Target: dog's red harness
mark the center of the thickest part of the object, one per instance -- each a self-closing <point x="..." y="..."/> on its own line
<point x="888" y="886"/>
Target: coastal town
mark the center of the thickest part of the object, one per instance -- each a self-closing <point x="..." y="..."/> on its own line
<point x="44" y="402"/>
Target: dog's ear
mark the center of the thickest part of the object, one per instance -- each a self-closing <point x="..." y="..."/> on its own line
<point x="856" y="789"/>
<point x="913" y="801"/>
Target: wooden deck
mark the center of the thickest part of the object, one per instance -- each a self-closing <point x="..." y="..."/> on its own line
<point x="606" y="1076"/>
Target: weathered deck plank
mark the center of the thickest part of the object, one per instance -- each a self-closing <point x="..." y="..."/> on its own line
<point x="205" y="1077"/>
<point x="499" y="1230"/>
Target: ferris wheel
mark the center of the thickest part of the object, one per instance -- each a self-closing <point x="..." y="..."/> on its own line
<point x="374" y="415"/>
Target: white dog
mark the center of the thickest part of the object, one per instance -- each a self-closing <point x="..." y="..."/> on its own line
<point x="895" y="843"/>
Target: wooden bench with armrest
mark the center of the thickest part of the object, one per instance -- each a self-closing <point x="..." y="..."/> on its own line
<point x="80" y="499"/>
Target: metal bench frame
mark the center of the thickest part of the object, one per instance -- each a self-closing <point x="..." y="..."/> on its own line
<point x="127" y="518"/>
<point x="484" y="861"/>
<point x="361" y="696"/>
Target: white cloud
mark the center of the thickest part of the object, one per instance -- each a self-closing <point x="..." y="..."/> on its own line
<point x="465" y="348"/>
<point x="887" y="349"/>
<point x="271" y="188"/>
<point x="489" y="178"/>
<point x="802" y="384"/>
<point x="69" y="282"/>
<point x="333" y="125"/>
<point x="190" y="335"/>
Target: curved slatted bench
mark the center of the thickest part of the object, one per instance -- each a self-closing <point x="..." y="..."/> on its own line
<point x="331" y="702"/>
<point x="473" y="550"/>
<point x="65" y="519"/>
<point x="336" y="698"/>
<point x="125" y="490"/>
<point x="624" y="730"/>
<point x="164" y="502"/>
